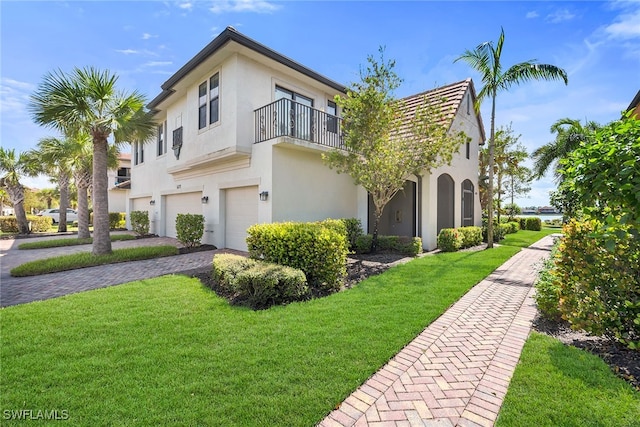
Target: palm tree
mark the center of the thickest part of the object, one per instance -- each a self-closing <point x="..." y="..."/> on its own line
<point x="569" y="135"/>
<point x="486" y="60"/>
<point x="54" y="154"/>
<point x="12" y="169"/>
<point x="86" y="100"/>
<point x="48" y="195"/>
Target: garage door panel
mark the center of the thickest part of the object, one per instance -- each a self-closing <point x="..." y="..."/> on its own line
<point x="241" y="213"/>
<point x="187" y="203"/>
<point x="141" y="204"/>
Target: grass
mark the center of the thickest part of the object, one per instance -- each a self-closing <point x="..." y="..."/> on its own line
<point x="558" y="385"/>
<point x="87" y="259"/>
<point x="169" y="351"/>
<point x="524" y="238"/>
<point x="44" y="244"/>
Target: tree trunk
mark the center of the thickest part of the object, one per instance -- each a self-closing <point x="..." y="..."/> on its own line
<point x="63" y="184"/>
<point x="83" y="213"/>
<point x="491" y="164"/>
<point x="376" y="223"/>
<point x="16" y="195"/>
<point x="101" y="237"/>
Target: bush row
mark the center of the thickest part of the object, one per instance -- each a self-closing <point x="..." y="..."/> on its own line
<point x="9" y="224"/>
<point x="410" y="246"/>
<point x="318" y="249"/>
<point x="258" y="284"/>
<point x="453" y="239"/>
<point x="593" y="287"/>
<point x="140" y="222"/>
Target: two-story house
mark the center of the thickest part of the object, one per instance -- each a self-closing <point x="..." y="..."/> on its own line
<point x="241" y="130"/>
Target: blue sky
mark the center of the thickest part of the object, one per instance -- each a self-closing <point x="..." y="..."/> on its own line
<point x="145" y="42"/>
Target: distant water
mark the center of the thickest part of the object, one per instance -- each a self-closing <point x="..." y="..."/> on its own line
<point x="543" y="217"/>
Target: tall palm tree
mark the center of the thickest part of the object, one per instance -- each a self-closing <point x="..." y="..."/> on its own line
<point x="569" y="135"/>
<point x="53" y="154"/>
<point x="12" y="168"/>
<point x="87" y="100"/>
<point x="48" y="195"/>
<point x="486" y="60"/>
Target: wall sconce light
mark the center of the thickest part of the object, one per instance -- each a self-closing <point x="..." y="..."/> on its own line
<point x="264" y="196"/>
<point x="152" y="202"/>
<point x="205" y="200"/>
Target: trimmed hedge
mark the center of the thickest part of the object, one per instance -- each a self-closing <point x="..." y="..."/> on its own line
<point x="189" y="229"/>
<point x="318" y="249"/>
<point x="140" y="222"/>
<point x="599" y="289"/>
<point x="499" y="231"/>
<point x="39" y="224"/>
<point x="530" y="223"/>
<point x="410" y="246"/>
<point x="449" y="240"/>
<point x="117" y="220"/>
<point x="353" y="227"/>
<point x="258" y="284"/>
<point x="471" y="236"/>
<point x="512" y="227"/>
<point x="547" y="294"/>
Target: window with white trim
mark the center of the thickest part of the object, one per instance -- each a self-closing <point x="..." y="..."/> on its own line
<point x="209" y="101"/>
<point x="138" y="153"/>
<point x="162" y="139"/>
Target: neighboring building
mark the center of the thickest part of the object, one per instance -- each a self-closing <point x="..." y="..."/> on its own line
<point x="635" y="105"/>
<point x="241" y="130"/>
<point x="120" y="183"/>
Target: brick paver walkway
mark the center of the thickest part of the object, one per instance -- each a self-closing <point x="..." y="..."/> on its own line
<point x="20" y="290"/>
<point x="456" y="372"/>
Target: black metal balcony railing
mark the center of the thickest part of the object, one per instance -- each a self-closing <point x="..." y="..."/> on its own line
<point x="121" y="179"/>
<point x="285" y="117"/>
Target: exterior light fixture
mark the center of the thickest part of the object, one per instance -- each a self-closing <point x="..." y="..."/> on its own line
<point x="205" y="200"/>
<point x="264" y="196"/>
<point x="152" y="202"/>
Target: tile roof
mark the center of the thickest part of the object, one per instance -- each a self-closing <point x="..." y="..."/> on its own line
<point x="449" y="98"/>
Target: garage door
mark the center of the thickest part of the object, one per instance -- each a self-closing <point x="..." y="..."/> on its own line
<point x="180" y="203"/>
<point x="140" y="204"/>
<point x="241" y="212"/>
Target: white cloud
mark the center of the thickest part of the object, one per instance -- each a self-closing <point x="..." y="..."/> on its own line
<point x="186" y="5"/>
<point x="532" y="14"/>
<point x="147" y="36"/>
<point x="560" y="15"/>
<point x="157" y="63"/>
<point x="128" y="51"/>
<point x="627" y="26"/>
<point x="14" y="96"/>
<point x="257" y="6"/>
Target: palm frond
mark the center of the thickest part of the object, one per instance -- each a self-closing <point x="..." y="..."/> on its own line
<point x="530" y="70"/>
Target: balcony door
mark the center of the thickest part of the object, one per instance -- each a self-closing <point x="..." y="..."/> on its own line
<point x="297" y="115"/>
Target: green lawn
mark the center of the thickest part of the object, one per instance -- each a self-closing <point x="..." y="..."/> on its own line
<point x="74" y="241"/>
<point x="524" y="238"/>
<point x="169" y="351"/>
<point x="557" y="385"/>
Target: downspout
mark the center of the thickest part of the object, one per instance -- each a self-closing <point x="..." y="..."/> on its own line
<point x="419" y="225"/>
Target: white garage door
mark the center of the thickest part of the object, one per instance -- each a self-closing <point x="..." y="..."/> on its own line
<point x="140" y="204"/>
<point x="180" y="203"/>
<point x="241" y="213"/>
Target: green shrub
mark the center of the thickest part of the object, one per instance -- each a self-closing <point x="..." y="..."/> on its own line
<point x="499" y="231"/>
<point x="39" y="224"/>
<point x="471" y="236"/>
<point x="512" y="227"/>
<point x="189" y="229"/>
<point x="600" y="287"/>
<point x="318" y="249"/>
<point x="522" y="221"/>
<point x="258" y="284"/>
<point x="533" y="224"/>
<point x="410" y="246"/>
<point x="449" y="240"/>
<point x="140" y="222"/>
<point x="117" y="220"/>
<point x="354" y="230"/>
<point x="547" y="294"/>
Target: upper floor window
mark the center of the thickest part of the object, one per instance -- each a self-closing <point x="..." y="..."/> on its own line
<point x="468" y="150"/>
<point x="138" y="153"/>
<point x="209" y="99"/>
<point x="162" y="139"/>
<point x="332" y="120"/>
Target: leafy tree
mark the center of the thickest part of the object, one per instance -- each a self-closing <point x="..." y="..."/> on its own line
<point x="385" y="142"/>
<point x="48" y="196"/>
<point x="13" y="168"/>
<point x="53" y="154"/>
<point x="512" y="210"/>
<point x="570" y="134"/>
<point x="605" y="174"/>
<point x="486" y="59"/>
<point x="87" y="100"/>
<point x="512" y="177"/>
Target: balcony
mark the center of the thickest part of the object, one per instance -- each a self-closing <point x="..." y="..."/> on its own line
<point x="285" y="117"/>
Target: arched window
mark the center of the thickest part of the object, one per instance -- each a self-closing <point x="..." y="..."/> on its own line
<point x="446" y="192"/>
<point x="467" y="203"/>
